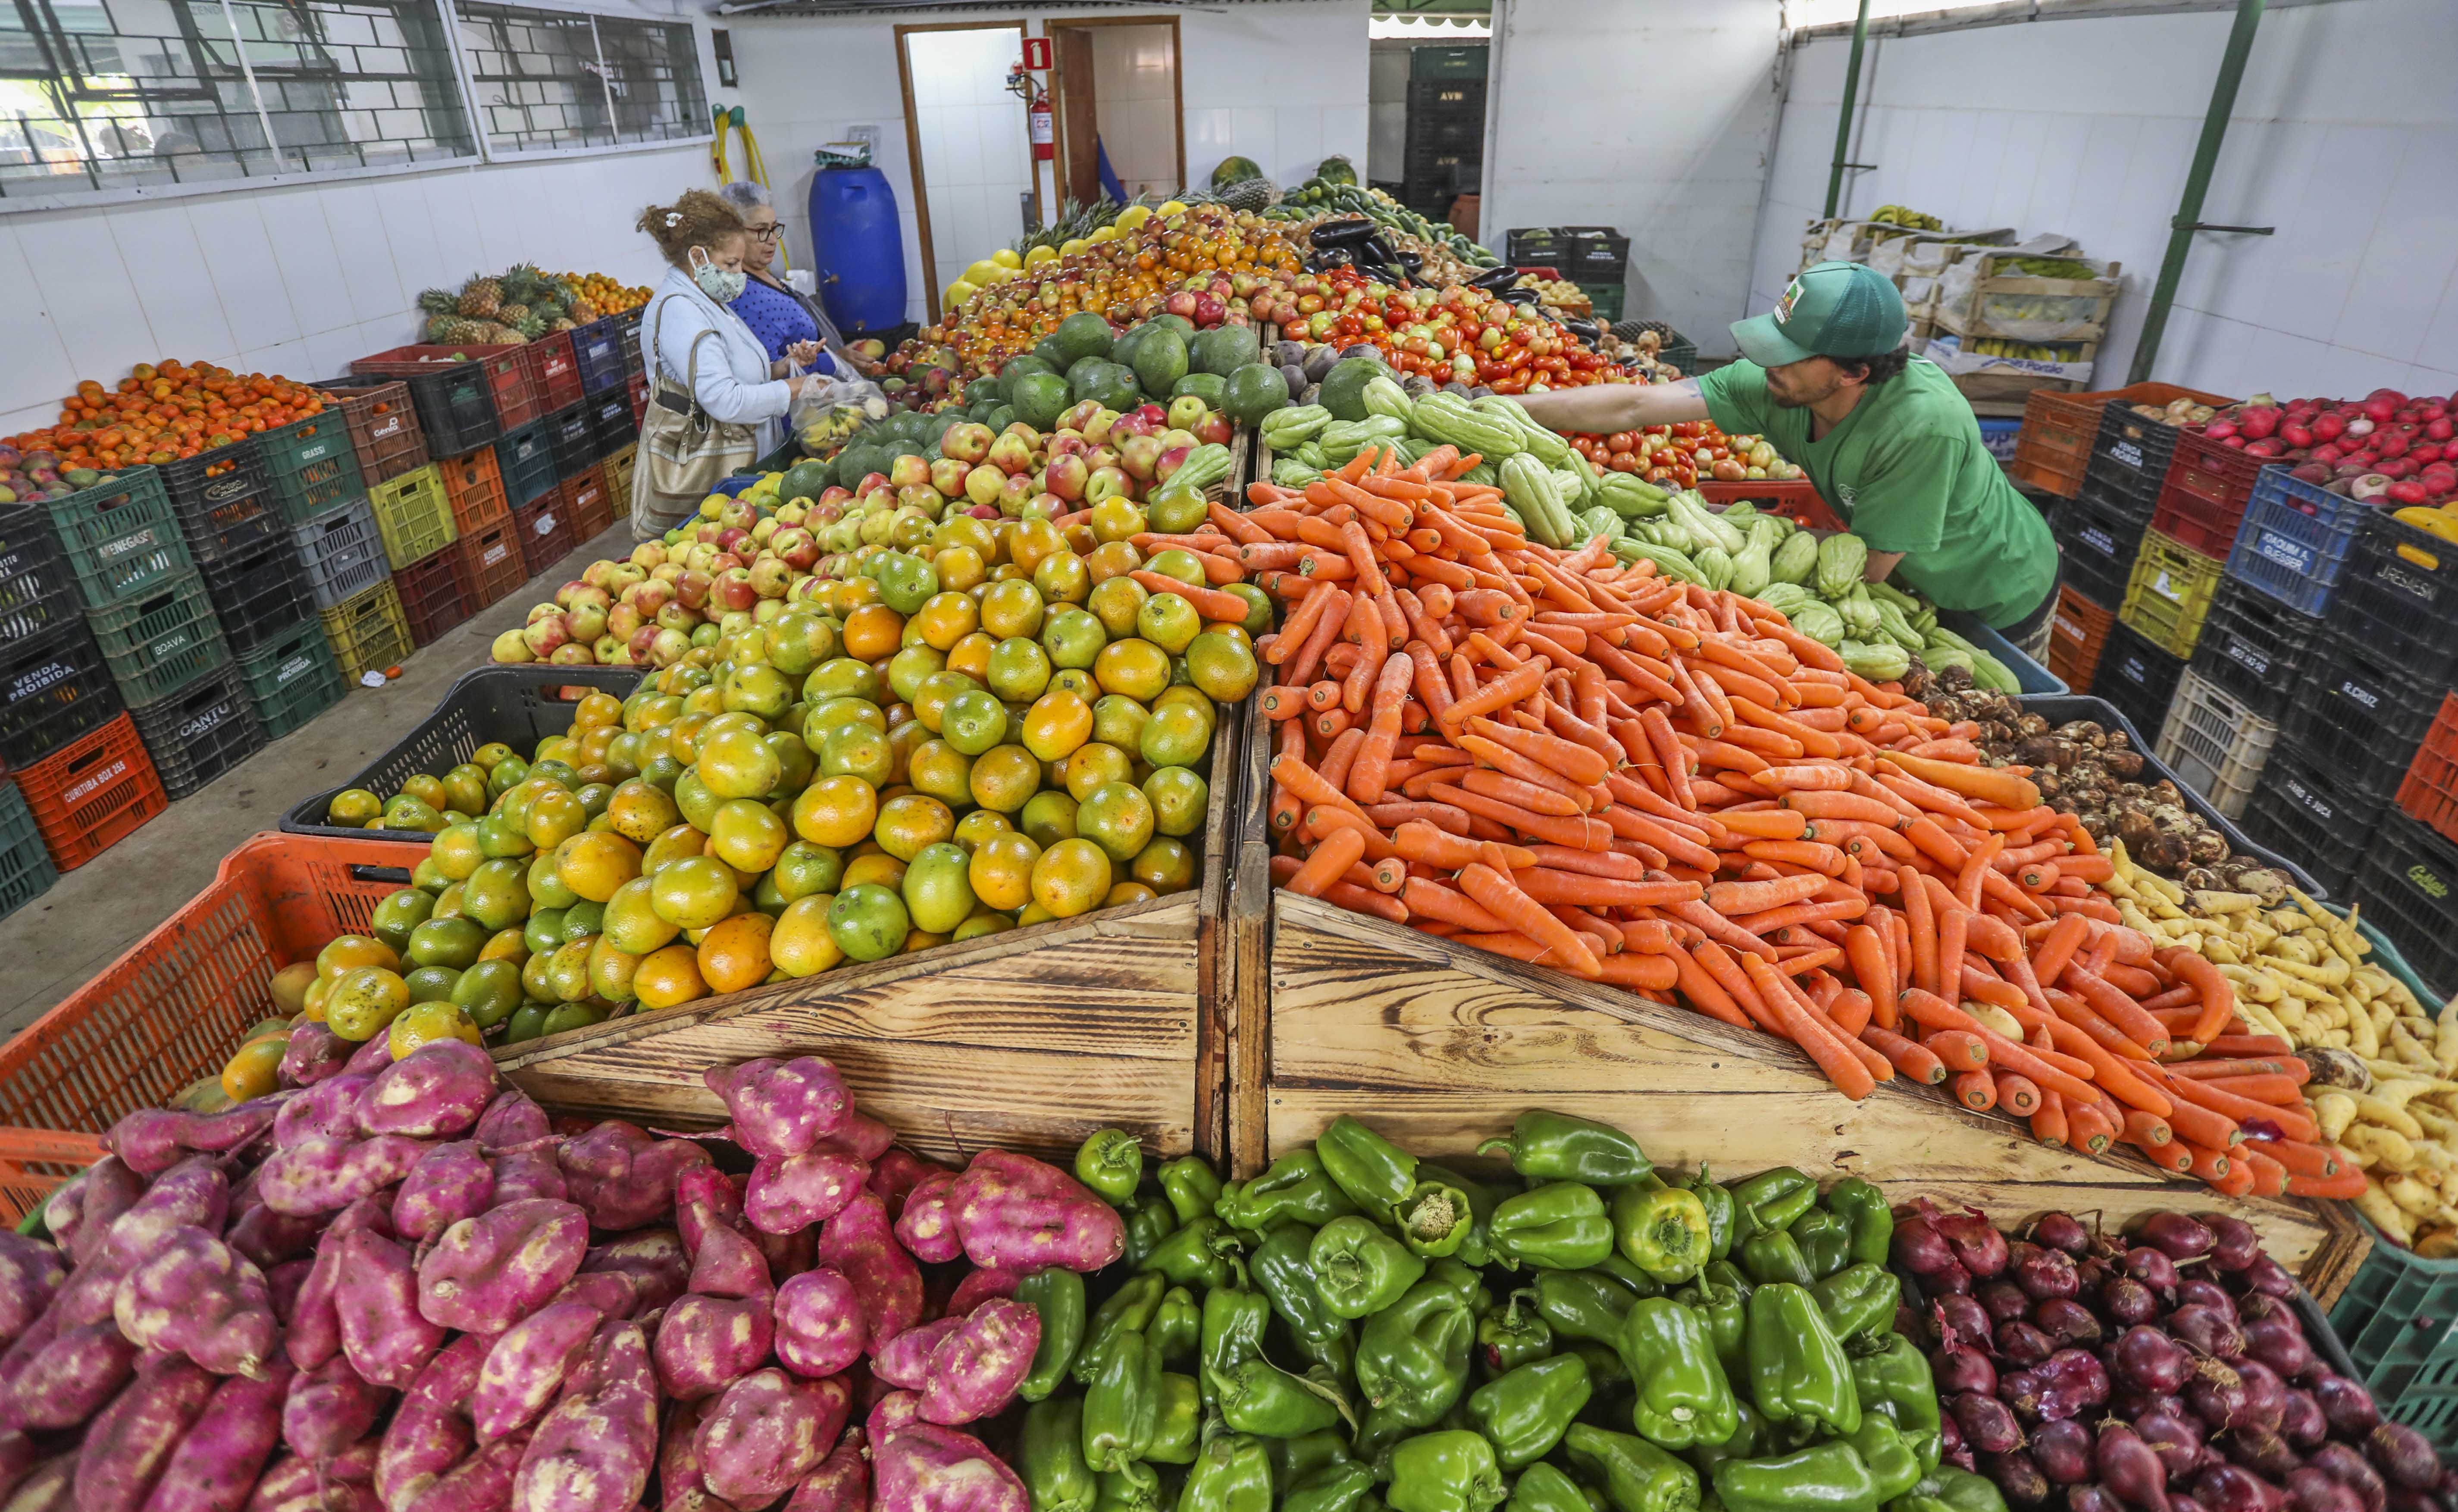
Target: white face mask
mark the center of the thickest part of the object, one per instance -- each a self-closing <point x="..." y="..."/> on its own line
<point x="718" y="284"/>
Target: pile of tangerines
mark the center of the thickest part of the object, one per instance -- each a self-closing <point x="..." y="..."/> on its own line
<point x="166" y="411"/>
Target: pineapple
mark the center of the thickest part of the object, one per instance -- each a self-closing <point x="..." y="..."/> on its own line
<point x="481" y="299"/>
<point x="513" y="315"/>
<point x="583" y="312"/>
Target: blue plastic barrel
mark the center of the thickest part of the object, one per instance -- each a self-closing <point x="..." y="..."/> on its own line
<point x="858" y="248"/>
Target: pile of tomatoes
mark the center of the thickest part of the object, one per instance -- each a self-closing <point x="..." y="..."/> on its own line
<point x="1678" y="456"/>
<point x="162" y="412"/>
<point x="1457" y="335"/>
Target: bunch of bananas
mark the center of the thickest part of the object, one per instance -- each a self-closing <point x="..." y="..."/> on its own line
<point x="1903" y="216"/>
<point x="2047" y="267"/>
<point x="2030" y="351"/>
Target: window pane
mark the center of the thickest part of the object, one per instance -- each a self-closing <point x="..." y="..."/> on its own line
<point x="653" y="70"/>
<point x="535" y="77"/>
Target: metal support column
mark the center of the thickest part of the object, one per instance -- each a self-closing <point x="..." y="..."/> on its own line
<point x="1843" y="120"/>
<point x="2198" y="183"/>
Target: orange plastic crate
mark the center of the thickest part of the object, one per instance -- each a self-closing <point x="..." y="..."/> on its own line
<point x="2054" y="448"/>
<point x="92" y="792"/>
<point x="489" y="564"/>
<point x="2078" y="634"/>
<point x="475" y="485"/>
<point x="2430" y="794"/>
<point x="591" y="501"/>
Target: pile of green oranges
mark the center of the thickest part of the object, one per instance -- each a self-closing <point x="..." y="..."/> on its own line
<point x="995" y="728"/>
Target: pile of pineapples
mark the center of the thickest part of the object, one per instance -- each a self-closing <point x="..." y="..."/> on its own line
<point x="519" y="305"/>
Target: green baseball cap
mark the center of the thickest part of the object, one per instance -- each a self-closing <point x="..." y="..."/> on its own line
<point x="1830" y="309"/>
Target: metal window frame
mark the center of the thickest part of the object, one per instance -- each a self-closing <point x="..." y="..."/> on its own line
<point x="468" y="74"/>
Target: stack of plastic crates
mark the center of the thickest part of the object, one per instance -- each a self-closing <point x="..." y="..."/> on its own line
<point x="2216" y="745"/>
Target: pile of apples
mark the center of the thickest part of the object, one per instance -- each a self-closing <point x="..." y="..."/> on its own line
<point x="2383" y="446"/>
<point x="27" y="476"/>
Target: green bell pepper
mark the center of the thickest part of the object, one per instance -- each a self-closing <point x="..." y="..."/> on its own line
<point x="1413" y="1358"/>
<point x="1864" y="1208"/>
<point x="1282" y="1273"/>
<point x="1824" y="1477"/>
<point x="1342" y="1487"/>
<point x="1580" y="1304"/>
<point x="1056" y="1294"/>
<point x="1202" y="1253"/>
<point x="1771" y="1199"/>
<point x="1889" y="1456"/>
<point x="1178" y="1327"/>
<point x="1049" y="1457"/>
<point x="1452" y="1471"/>
<point x="1294" y="1189"/>
<point x="1717" y="1204"/>
<point x="1605" y="1367"/>
<point x="1724" y="1272"/>
<point x="1515" y="1335"/>
<point x="1725" y="1311"/>
<point x="1948" y="1489"/>
<point x="1435" y="1219"/>
<point x="1122" y="1406"/>
<point x="1546" y="1488"/>
<point x="1896" y="1380"/>
<point x="1111" y="1163"/>
<point x="1634" y="1281"/>
<point x="1233" y="1474"/>
<point x="1636" y="1475"/>
<point x="1749" y="1439"/>
<point x="1771" y="1255"/>
<point x="1260" y="1397"/>
<point x="1293" y="1459"/>
<point x="1234" y="1322"/>
<point x="1133" y="1487"/>
<point x="1661" y="1230"/>
<point x="1130" y="1310"/>
<point x="1359" y="1269"/>
<point x="1859" y="1300"/>
<point x="1177" y="1428"/>
<point x="1468" y="1284"/>
<point x="1150" y="1221"/>
<point x="1825" y="1242"/>
<point x="1683" y="1397"/>
<point x="1524" y="1413"/>
<point x="1480" y="1202"/>
<point x="1558" y="1227"/>
<point x="1191" y="1188"/>
<point x="1797" y="1366"/>
<point x="1545" y="1146"/>
<point x="1373" y="1172"/>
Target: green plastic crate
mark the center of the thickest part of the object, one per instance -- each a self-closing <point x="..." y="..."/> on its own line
<point x="293" y="679"/>
<point x="26" y="871"/>
<point x="1607" y="298"/>
<point x="1449" y="63"/>
<point x="163" y="641"/>
<point x="312" y="465"/>
<point x="121" y="537"/>
<point x="414" y="515"/>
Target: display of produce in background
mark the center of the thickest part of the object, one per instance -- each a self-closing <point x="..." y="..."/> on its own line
<point x="2386" y="449"/>
<point x="1683" y="455"/>
<point x="519" y="304"/>
<point x="603" y="293"/>
<point x="1462" y="333"/>
<point x="161" y="412"/>
<point x="1318" y="198"/>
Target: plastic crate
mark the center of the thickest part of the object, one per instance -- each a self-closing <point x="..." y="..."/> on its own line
<point x="2358" y="713"/>
<point x="199" y="732"/>
<point x="545" y="531"/>
<point x="2169" y="595"/>
<point x="490" y="563"/>
<point x="2129" y="457"/>
<point x="2394" y="1320"/>
<point x="431" y="596"/>
<point x="260" y="597"/>
<point x="598" y="351"/>
<point x="384" y="426"/>
<point x="2254" y="647"/>
<point x="2099" y="541"/>
<point x="525" y="459"/>
<point x="2214" y="745"/>
<point x="519" y="706"/>
<point x="2430" y="791"/>
<point x="292" y="678"/>
<point x="592" y="506"/>
<point x="639" y="398"/>
<point x="2304" y="809"/>
<point x="120" y="536"/>
<point x="26" y="869"/>
<point x="2137" y="676"/>
<point x="173" y="1007"/>
<point x="2400" y="592"/>
<point x="312" y="465"/>
<point x="369" y="632"/>
<point x="575" y="442"/>
<point x="54" y="687"/>
<point x="2053" y="446"/>
<point x="627" y="326"/>
<point x="454" y="395"/>
<point x="554" y="372"/>
<point x="2207" y="487"/>
<point x="413" y="514"/>
<point x="2408" y="887"/>
<point x="474" y="485"/>
<point x="344" y="553"/>
<point x="37" y="590"/>
<point x="162" y="642"/>
<point x="618" y="475"/>
<point x="504" y="380"/>
<point x="88" y="796"/>
<point x="2295" y="540"/>
<point x="610" y="423"/>
<point x="223" y="517"/>
<point x="2077" y="631"/>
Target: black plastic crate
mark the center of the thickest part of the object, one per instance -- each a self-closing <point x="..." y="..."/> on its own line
<point x="573" y="434"/>
<point x="598" y="351"/>
<point x="2099" y="540"/>
<point x="2357" y="711"/>
<point x="54" y="687"/>
<point x="2255" y="649"/>
<point x="261" y="594"/>
<point x="37" y="590"/>
<point x="226" y="486"/>
<point x="2303" y="809"/>
<point x="200" y="731"/>
<point x="222" y="519"/>
<point x="2129" y="458"/>
<point x="1446" y="128"/>
<point x="2137" y="678"/>
<point x="525" y="459"/>
<point x="518" y="706"/>
<point x="2408" y="890"/>
<point x="627" y="327"/>
<point x="2400" y="593"/>
<point x="610" y="425"/>
<point x="455" y="402"/>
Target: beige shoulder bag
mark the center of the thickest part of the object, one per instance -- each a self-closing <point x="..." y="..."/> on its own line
<point x="684" y="452"/>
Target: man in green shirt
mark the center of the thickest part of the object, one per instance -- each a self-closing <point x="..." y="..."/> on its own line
<point x="1886" y="438"/>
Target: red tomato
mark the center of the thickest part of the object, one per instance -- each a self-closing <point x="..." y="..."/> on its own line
<point x="1622" y="462"/>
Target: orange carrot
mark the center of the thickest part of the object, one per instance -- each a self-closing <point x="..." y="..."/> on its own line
<point x="2049" y="1121"/>
<point x="1334" y="855"/>
<point x="1503" y="898"/>
<point x="1960" y="1049"/>
<point x="1914" y="1060"/>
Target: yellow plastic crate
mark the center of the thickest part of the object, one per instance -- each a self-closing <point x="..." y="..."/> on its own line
<point x="369" y="632"/>
<point x="2169" y="594"/>
<point x="414" y="514"/>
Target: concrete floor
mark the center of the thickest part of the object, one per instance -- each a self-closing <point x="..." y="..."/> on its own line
<point x="57" y="941"/>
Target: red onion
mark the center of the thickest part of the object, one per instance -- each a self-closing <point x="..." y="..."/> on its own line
<point x="2128" y="1300"/>
<point x="1956" y="1452"/>
<point x="1976" y="1243"/>
<point x="2261" y="1451"/>
<point x="2019" y="1477"/>
<point x="2067" y="1321"/>
<point x="2345" y="1405"/>
<point x="2347" y="1464"/>
<point x="2233" y="1242"/>
<point x="2151" y="1268"/>
<point x="2063" y="1451"/>
<point x="1987" y="1424"/>
<point x="2019" y="1343"/>
<point x="2092" y="1498"/>
<point x="2175" y="1437"/>
<point x="2046" y="1274"/>
<point x="2021" y="1390"/>
<point x="2175" y="1236"/>
<point x="2062" y="1231"/>
<point x="2143" y="1358"/>
<point x="1962" y="1320"/>
<point x="1909" y="1323"/>
<point x="2207" y="1331"/>
<point x="2269" y="1277"/>
<point x="2003" y="1299"/>
<point x="2232" y="1488"/>
<point x="2074" y="1380"/>
<point x="2300" y="1422"/>
<point x="2314" y="1490"/>
<point x="2217" y="1396"/>
<point x="2402" y="1499"/>
<point x="1959" y="1367"/>
<point x="1952" y="1281"/>
<point x="2196" y="1291"/>
<point x="2265" y="1395"/>
<point x="2403" y="1456"/>
<point x="2129" y="1469"/>
<point x="1917" y="1246"/>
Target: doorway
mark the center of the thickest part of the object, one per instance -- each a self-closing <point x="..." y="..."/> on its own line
<point x="974" y="190"/>
<point x="1118" y="96"/>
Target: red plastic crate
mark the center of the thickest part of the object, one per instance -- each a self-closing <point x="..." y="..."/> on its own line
<point x="2429" y="795"/>
<point x="432" y="597"/>
<point x="475" y="484"/>
<point x="383" y="429"/>
<point x="554" y="372"/>
<point x="640" y="399"/>
<point x="544" y="526"/>
<point x="2202" y="499"/>
<point x="591" y="500"/>
<point x="489" y="563"/>
<point x="508" y="378"/>
<point x="92" y="792"/>
<point x="1794" y="498"/>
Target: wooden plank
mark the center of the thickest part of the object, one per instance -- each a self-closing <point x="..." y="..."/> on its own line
<point x="1249" y="989"/>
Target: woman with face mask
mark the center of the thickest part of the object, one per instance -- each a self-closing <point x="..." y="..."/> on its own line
<point x="789" y="325"/>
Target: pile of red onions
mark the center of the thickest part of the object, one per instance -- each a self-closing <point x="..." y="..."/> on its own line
<point x="2165" y="1371"/>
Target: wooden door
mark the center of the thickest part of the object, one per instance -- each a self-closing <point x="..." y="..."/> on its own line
<point x="1079" y="159"/>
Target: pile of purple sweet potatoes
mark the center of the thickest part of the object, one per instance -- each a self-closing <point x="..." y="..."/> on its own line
<point x="393" y="1285"/>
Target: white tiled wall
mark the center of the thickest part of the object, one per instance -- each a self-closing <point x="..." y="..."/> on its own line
<point x="1135" y="85"/>
<point x="977" y="157"/>
<point x="2344" y="137"/>
<point x="1386" y="153"/>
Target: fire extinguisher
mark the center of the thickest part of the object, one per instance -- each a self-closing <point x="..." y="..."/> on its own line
<point x="1037" y="118"/>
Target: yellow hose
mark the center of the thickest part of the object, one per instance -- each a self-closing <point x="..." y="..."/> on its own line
<point x="728" y="122"/>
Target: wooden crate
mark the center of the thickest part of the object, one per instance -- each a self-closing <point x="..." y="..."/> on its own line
<point x="1975" y="321"/>
<point x="1439" y="1046"/>
<point x="1031" y="1039"/>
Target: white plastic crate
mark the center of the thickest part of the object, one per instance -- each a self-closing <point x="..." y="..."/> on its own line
<point x="2214" y="744"/>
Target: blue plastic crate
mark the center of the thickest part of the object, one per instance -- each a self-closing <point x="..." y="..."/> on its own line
<point x="598" y="351"/>
<point x="1998" y="437"/>
<point x="2295" y="539"/>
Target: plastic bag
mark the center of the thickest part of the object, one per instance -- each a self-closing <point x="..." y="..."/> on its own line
<point x="827" y="415"/>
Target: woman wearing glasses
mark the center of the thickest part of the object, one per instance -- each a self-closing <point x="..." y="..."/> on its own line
<point x="790" y="326"/>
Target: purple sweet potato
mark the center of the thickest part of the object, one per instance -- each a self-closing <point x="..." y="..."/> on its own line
<point x="707" y="1343"/>
<point x="131" y="1441"/>
<point x="107" y="1190"/>
<point x="20" y="1453"/>
<point x="284" y="1284"/>
<point x="680" y="1487"/>
<point x="72" y="1378"/>
<point x="927" y="1227"/>
<point x="726" y="1264"/>
<point x="529" y="1170"/>
<point x="767" y="1432"/>
<point x="288" y="1484"/>
<point x="329" y="1109"/>
<point x="36" y="1338"/>
<point x="860" y="1136"/>
<point x="322" y="1175"/>
<point x="780" y="1107"/>
<point x="48" y="1487"/>
<point x="486" y="1273"/>
<point x="370" y="1058"/>
<point x="436" y="1091"/>
<point x="857" y="1245"/>
<point x="905" y="1360"/>
<point x="312" y="1330"/>
<point x="355" y="1465"/>
<point x="598" y="1444"/>
<point x="1015" y="1211"/>
<point x="270" y="1238"/>
<point x="328" y="1409"/>
<point x="313" y="1055"/>
<point x="786" y="1253"/>
<point x="842" y="1483"/>
<point x="654" y="1258"/>
<point x="192" y="1194"/>
<point x="789" y="1193"/>
<point x="526" y="1369"/>
<point x="510" y="1121"/>
<point x="704" y="1195"/>
<point x="155" y="1139"/>
<point x="217" y="1464"/>
<point x="450" y="1183"/>
<point x="64" y="1210"/>
<point x="820" y="1326"/>
<point x="975" y="1372"/>
<point x="979" y="1287"/>
<point x="430" y="1432"/>
<point x="609" y="1294"/>
<point x="622" y="1177"/>
<point x="30" y="1274"/>
<point x="482" y="1483"/>
<point x="893" y="1176"/>
<point x="198" y="1297"/>
<point x="384" y="1335"/>
<point x="922" y="1467"/>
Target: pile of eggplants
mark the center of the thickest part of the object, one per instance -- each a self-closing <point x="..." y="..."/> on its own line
<point x="2164" y="1369"/>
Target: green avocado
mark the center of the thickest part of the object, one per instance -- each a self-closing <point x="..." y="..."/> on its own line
<point x="1040" y="399"/>
<point x="1343" y="387"/>
<point x="1254" y="391"/>
<point x="1160" y="360"/>
<point x="803" y="480"/>
<point x="1223" y="349"/>
<point x="1018" y="366"/>
<point x="1110" y="386"/>
<point x="1209" y="388"/>
<point x="1083" y="335"/>
<point x="988" y="389"/>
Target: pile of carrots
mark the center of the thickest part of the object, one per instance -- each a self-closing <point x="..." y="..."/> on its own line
<point x="1547" y="754"/>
